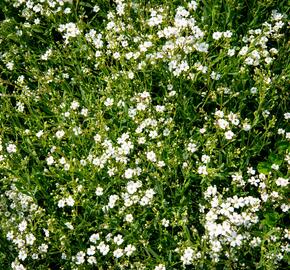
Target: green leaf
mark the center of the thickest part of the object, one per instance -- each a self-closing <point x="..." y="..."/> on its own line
<point x="264" y="167"/>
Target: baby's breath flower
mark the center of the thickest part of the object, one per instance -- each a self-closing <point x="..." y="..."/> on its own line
<point x="50" y="160"/>
<point x="11" y="148"/>
<point x="151" y="156"/>
<point x="99" y="191"/>
<point x="282" y="182"/>
<point x="229" y="135"/>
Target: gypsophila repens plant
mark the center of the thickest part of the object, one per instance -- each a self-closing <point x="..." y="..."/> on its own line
<point x="144" y="134"/>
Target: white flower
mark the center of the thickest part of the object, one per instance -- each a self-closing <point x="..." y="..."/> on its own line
<point x="96" y="8"/>
<point x="97" y="138"/>
<point x="11" y="148"/>
<point x="132" y="187"/>
<point x="227" y="34"/>
<point x="165" y="222"/>
<point x="103" y="248"/>
<point x="91" y="250"/>
<point x="70" y="201"/>
<point x="118" y="239"/>
<point x="219" y="114"/>
<point x="129" y="173"/>
<point x="217" y="35"/>
<point x="192" y="147"/>
<point x="246" y="127"/>
<point x="205" y="159"/>
<point x="59" y="134"/>
<point x="92" y="260"/>
<point x="129" y="218"/>
<point x="287" y="115"/>
<point x="160" y="267"/>
<point x="99" y="191"/>
<point x="10" y="65"/>
<point x="223" y="124"/>
<point x="94" y="238"/>
<point x="43" y="248"/>
<point x="151" y="156"/>
<point x="80" y="257"/>
<point x="22" y="255"/>
<point x="202" y="130"/>
<point x="30" y="238"/>
<point x="109" y="102"/>
<point x="253" y="90"/>
<point x="243" y="50"/>
<point x="61" y="203"/>
<point x="69" y="225"/>
<point x="202" y="170"/>
<point x="118" y="253"/>
<point x="187" y="256"/>
<point x="129" y="250"/>
<point x="229" y="135"/>
<point x="282" y="182"/>
<point x="231" y="52"/>
<point x="50" y="160"/>
<point x="39" y="133"/>
<point x="275" y="167"/>
<point x="22" y="226"/>
<point x="74" y="105"/>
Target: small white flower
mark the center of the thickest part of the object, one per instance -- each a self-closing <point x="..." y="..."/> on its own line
<point x="229" y="135"/>
<point x="160" y="267"/>
<point x="205" y="159"/>
<point x="202" y="170"/>
<point x="129" y="173"/>
<point x="99" y="191"/>
<point x="96" y="8"/>
<point x="151" y="156"/>
<point x="61" y="203"/>
<point x="91" y="250"/>
<point x="219" y="113"/>
<point x="97" y="138"/>
<point x="92" y="260"/>
<point x="59" y="134"/>
<point x="74" y="105"/>
<point x="165" y="222"/>
<point x="30" y="238"/>
<point x="22" y="226"/>
<point x="254" y="90"/>
<point x="118" y="253"/>
<point x="129" y="218"/>
<point x="217" y="35"/>
<point x="50" y="160"/>
<point x="129" y="250"/>
<point x="70" y="201"/>
<point x="43" y="248"/>
<point x="275" y="167"/>
<point x="118" y="239"/>
<point x="69" y="225"/>
<point x="94" y="238"/>
<point x="287" y="115"/>
<point x="192" y="147"/>
<point x="39" y="134"/>
<point x="109" y="102"/>
<point x="282" y="182"/>
<point x="103" y="248"/>
<point x="231" y="52"/>
<point x="246" y="127"/>
<point x="11" y="148"/>
<point x="223" y="124"/>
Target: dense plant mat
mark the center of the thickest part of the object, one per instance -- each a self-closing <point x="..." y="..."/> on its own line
<point x="144" y="134"/>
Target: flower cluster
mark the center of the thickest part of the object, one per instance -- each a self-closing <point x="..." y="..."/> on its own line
<point x="141" y="135"/>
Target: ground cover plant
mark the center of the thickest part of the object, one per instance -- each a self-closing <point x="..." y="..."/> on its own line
<point x="144" y="134"/>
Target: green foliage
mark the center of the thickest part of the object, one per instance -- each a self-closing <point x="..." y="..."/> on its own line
<point x="144" y="134"/>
